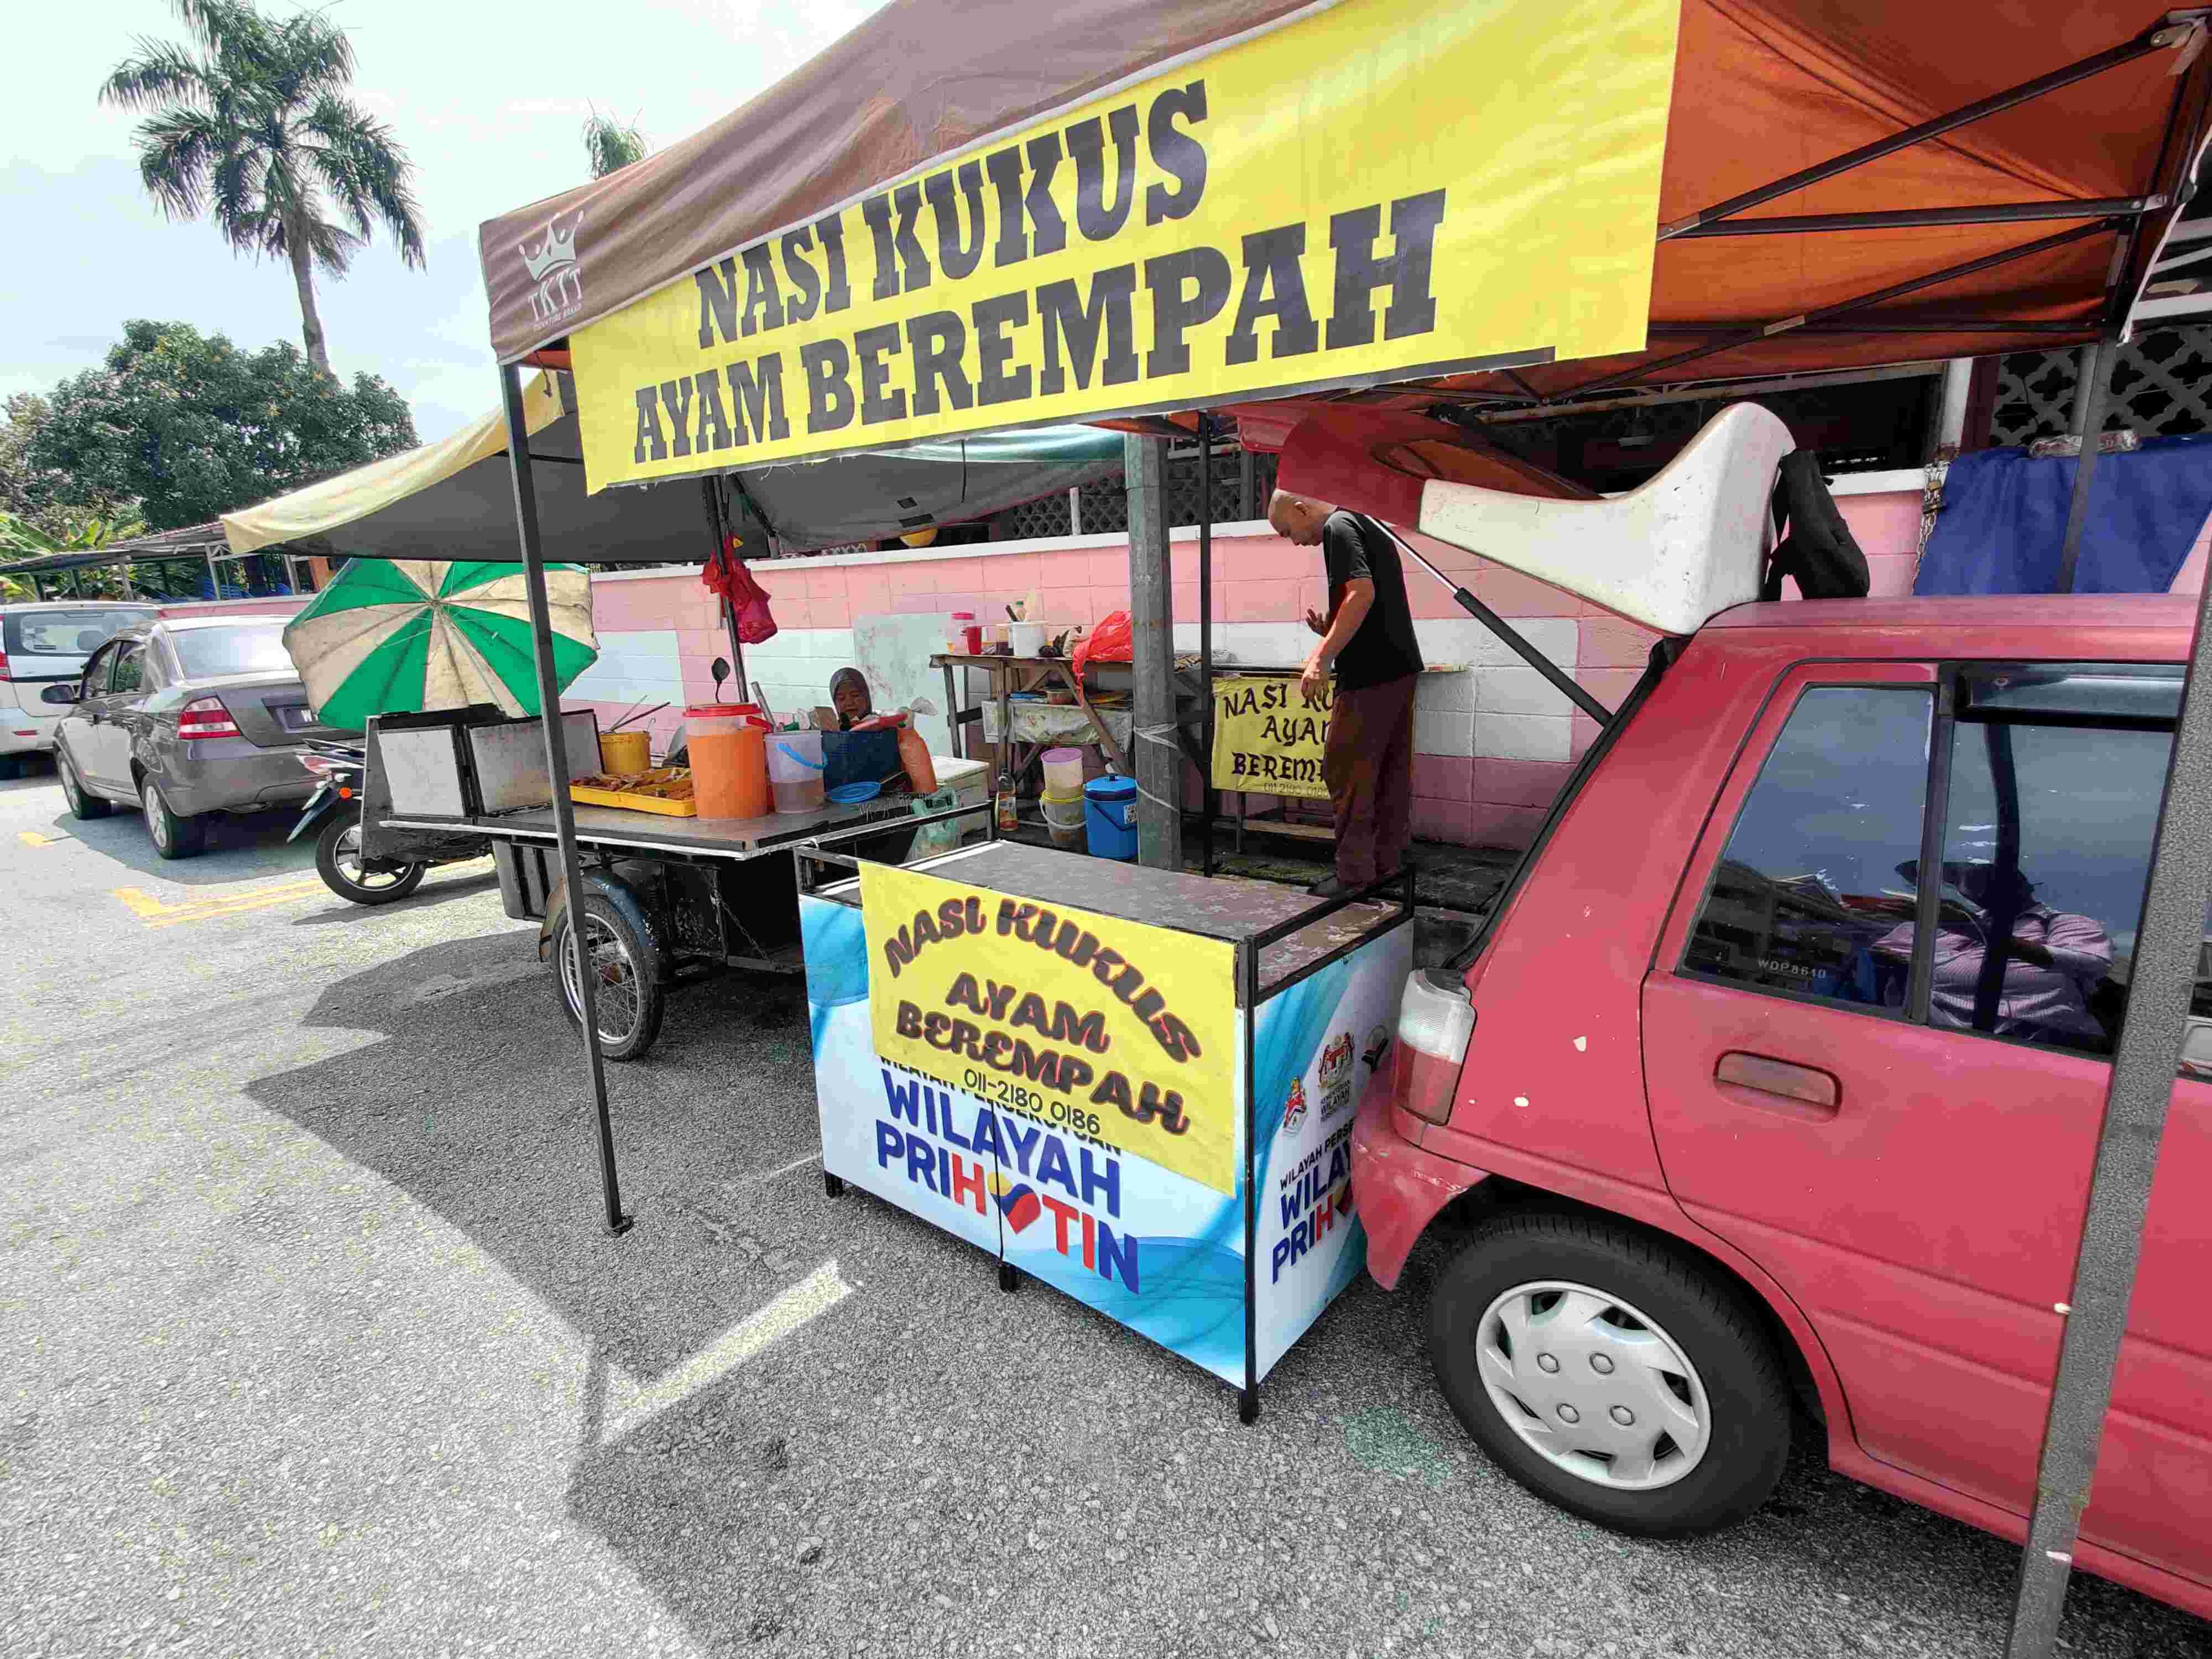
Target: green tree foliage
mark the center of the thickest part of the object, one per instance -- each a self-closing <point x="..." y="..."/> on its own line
<point x="611" y="145"/>
<point x="190" y="426"/>
<point x="258" y="129"/>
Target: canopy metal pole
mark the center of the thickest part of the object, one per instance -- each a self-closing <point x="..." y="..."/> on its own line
<point x="2091" y="387"/>
<point x="556" y="768"/>
<point x="1209" y="799"/>
<point x="2160" y="983"/>
<point x="2174" y="30"/>
<point x="717" y="523"/>
<point x="1737" y="337"/>
<point x="1156" y="756"/>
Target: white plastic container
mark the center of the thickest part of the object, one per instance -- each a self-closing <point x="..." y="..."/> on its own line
<point x="1064" y="818"/>
<point x="1027" y="638"/>
<point x="795" y="770"/>
<point x="1063" y="774"/>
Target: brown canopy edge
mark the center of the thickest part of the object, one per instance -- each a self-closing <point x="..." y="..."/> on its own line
<point x="1762" y="88"/>
<point x="918" y="80"/>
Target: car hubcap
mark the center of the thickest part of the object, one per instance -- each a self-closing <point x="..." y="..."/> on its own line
<point x="356" y="871"/>
<point x="1593" y="1385"/>
<point x="156" y="820"/>
<point x="614" y="987"/>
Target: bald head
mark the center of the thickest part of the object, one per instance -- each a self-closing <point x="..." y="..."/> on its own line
<point x="1299" y="517"/>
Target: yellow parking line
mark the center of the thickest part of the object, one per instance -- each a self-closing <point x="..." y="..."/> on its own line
<point x="154" y="913"/>
<point x="33" y="838"/>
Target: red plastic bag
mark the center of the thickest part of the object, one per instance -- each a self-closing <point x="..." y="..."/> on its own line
<point x="725" y="575"/>
<point x="1110" y="641"/>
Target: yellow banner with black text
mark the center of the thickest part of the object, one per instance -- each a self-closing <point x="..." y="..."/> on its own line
<point x="1267" y="737"/>
<point x="1105" y="1028"/>
<point x="1377" y="189"/>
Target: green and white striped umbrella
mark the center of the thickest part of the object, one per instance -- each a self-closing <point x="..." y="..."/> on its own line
<point x="392" y="636"/>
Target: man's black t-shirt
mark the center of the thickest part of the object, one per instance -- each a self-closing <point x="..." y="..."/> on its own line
<point x="1384" y="648"/>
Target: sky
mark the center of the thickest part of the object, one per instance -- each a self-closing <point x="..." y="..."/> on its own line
<point x="87" y="249"/>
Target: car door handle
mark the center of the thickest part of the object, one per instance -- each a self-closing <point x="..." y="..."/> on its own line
<point x="1778" y="1085"/>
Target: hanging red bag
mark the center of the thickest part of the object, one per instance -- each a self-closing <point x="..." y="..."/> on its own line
<point x="1110" y="641"/>
<point x="725" y="575"/>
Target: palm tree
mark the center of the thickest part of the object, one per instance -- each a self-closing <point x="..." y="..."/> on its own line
<point x="257" y="127"/>
<point x="611" y="145"/>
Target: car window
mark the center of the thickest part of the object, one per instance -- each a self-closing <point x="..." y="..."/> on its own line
<point x="2046" y="849"/>
<point x="129" y="673"/>
<point x="250" y="648"/>
<point x="63" y="633"/>
<point x="96" y="669"/>
<point x="1808" y="889"/>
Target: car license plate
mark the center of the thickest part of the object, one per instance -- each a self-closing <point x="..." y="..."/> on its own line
<point x="295" y="717"/>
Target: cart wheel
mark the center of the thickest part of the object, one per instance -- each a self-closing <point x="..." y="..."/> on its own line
<point x="625" y="956"/>
<point x="833" y="1186"/>
<point x="338" y="861"/>
<point x="1010" y="1276"/>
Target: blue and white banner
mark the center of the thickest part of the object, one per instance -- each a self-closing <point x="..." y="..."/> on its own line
<point x="1154" y="1251"/>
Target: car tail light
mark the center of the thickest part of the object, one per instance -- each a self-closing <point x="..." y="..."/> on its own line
<point x="4" y="674"/>
<point x="204" y="718"/>
<point x="1435" y="1022"/>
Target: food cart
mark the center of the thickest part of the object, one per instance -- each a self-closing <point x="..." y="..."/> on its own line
<point x="1133" y="1085"/>
<point x="668" y="899"/>
<point x="1370" y="184"/>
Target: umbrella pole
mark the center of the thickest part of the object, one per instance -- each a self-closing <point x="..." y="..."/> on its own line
<point x="564" y="812"/>
<point x="718" y="522"/>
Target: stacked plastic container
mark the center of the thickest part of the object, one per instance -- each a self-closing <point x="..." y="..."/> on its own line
<point x="1063" y="796"/>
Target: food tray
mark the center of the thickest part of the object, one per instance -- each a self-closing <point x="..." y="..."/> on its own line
<point x="665" y="790"/>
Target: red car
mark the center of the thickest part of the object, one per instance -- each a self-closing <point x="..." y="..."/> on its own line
<point x="1741" y="1105"/>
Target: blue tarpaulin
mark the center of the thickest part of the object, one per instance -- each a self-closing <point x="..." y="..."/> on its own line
<point x="2004" y="520"/>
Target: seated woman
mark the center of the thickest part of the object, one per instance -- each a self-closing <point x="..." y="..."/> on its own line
<point x="850" y="697"/>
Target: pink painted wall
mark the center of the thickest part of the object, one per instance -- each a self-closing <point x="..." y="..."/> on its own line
<point x="1259" y="579"/>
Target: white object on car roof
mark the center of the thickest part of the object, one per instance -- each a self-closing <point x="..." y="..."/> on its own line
<point x="1670" y="554"/>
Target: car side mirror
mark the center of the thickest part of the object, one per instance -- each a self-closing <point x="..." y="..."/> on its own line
<point x="65" y="694"/>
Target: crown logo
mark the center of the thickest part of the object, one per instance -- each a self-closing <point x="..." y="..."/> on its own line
<point x="558" y="249"/>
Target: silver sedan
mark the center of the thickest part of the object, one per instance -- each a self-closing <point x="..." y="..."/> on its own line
<point x="184" y="719"/>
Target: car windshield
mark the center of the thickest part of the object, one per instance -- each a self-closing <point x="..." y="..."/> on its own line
<point x="248" y="648"/>
<point x="63" y="633"/>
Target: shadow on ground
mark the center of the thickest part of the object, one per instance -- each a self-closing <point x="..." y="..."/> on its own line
<point x="816" y="1425"/>
<point x="238" y="848"/>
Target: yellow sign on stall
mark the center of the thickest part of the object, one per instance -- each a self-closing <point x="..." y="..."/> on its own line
<point x="1377" y="189"/>
<point x="1268" y="738"/>
<point x="1106" y="1028"/>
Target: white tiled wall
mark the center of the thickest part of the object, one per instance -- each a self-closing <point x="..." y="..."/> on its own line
<point x="1498" y="708"/>
<point x="634" y="667"/>
<point x="795" y="667"/>
<point x="1502" y="709"/>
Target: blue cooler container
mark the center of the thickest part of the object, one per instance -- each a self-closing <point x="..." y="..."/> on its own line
<point x="1109" y="814"/>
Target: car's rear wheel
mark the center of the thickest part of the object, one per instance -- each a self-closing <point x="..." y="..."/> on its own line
<point x="625" y="963"/>
<point x="1616" y="1377"/>
<point x="82" y="803"/>
<point x="175" y="835"/>
<point x="339" y="862"/>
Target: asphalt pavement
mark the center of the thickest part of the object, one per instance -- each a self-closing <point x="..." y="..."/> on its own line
<point x="312" y="1342"/>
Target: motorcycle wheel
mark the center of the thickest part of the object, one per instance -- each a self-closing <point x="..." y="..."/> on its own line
<point x="345" y="872"/>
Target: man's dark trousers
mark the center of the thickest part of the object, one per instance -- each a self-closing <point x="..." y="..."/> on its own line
<point x="1369" y="766"/>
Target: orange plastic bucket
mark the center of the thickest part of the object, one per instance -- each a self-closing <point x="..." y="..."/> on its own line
<point x="729" y="761"/>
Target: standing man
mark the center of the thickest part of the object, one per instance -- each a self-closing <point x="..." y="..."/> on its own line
<point x="1367" y="637"/>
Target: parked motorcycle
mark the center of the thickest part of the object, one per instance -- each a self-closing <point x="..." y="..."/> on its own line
<point x="338" y="768"/>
